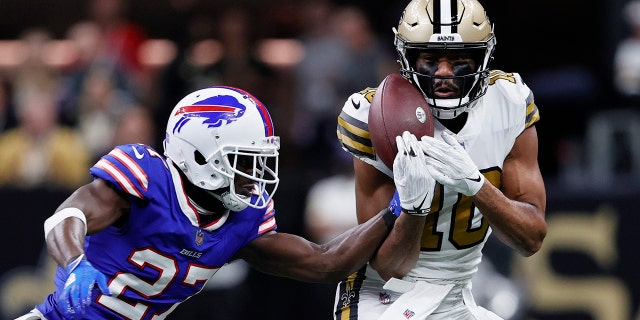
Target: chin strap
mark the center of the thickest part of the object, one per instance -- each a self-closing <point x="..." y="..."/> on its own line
<point x="229" y="201"/>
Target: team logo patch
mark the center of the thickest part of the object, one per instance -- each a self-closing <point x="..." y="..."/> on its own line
<point x="215" y="112"/>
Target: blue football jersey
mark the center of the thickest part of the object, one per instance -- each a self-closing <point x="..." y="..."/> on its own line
<point x="161" y="254"/>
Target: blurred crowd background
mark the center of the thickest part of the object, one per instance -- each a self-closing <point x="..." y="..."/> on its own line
<point x="78" y="77"/>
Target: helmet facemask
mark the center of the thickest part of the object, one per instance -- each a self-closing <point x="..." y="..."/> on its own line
<point x="468" y="81"/>
<point x="257" y="168"/>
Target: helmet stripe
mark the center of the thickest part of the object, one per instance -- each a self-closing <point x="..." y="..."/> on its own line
<point x="445" y="16"/>
<point x="455" y="20"/>
<point x="264" y="113"/>
<point x="266" y="118"/>
<point x="437" y="18"/>
<point x="205" y="108"/>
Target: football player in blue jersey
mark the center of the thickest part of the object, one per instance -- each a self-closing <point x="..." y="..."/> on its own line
<point x="483" y="155"/>
<point x="150" y="230"/>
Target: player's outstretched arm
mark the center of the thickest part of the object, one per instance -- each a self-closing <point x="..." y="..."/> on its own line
<point x="291" y="256"/>
<point x="89" y="209"/>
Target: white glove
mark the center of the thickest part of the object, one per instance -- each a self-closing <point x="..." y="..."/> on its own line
<point x="450" y="164"/>
<point x="412" y="178"/>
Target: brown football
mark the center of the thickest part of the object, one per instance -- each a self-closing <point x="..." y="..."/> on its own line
<point x="397" y="106"/>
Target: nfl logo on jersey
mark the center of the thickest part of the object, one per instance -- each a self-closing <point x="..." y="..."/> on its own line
<point x="408" y="314"/>
<point x="385" y="298"/>
<point x="199" y="237"/>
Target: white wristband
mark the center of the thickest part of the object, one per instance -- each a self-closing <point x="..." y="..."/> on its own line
<point x="65" y="213"/>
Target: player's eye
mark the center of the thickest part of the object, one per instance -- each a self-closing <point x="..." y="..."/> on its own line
<point x="427" y="58"/>
<point x="244" y="162"/>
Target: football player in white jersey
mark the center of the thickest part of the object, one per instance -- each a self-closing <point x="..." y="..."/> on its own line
<point x="483" y="156"/>
<point x="151" y="230"/>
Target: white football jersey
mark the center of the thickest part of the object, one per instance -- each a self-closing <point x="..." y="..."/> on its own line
<point x="455" y="231"/>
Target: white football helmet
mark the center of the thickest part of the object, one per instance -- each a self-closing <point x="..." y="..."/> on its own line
<point x="446" y="25"/>
<point x="212" y="130"/>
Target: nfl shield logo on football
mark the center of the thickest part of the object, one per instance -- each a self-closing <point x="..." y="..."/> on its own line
<point x="421" y="115"/>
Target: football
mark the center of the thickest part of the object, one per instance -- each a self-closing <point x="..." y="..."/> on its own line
<point x="397" y="106"/>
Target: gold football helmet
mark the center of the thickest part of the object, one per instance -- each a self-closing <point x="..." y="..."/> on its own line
<point x="451" y="26"/>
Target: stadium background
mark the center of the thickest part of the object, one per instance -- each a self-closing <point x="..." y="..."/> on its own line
<point x="563" y="49"/>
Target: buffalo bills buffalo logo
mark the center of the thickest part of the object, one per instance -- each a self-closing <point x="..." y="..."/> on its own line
<point x="215" y="111"/>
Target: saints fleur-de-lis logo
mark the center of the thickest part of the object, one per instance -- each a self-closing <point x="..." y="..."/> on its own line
<point x="349" y="294"/>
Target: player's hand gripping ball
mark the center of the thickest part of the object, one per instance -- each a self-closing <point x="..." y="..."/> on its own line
<point x="397" y="106"/>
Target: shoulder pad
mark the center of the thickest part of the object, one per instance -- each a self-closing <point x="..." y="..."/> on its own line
<point x="353" y="129"/>
<point x="129" y="168"/>
<point x="512" y="85"/>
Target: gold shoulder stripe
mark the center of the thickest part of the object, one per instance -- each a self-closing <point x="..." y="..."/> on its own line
<point x="495" y="75"/>
<point x="529" y="100"/>
<point x="353" y="126"/>
<point x="368" y="93"/>
<point x="533" y="115"/>
<point x="354" y="136"/>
